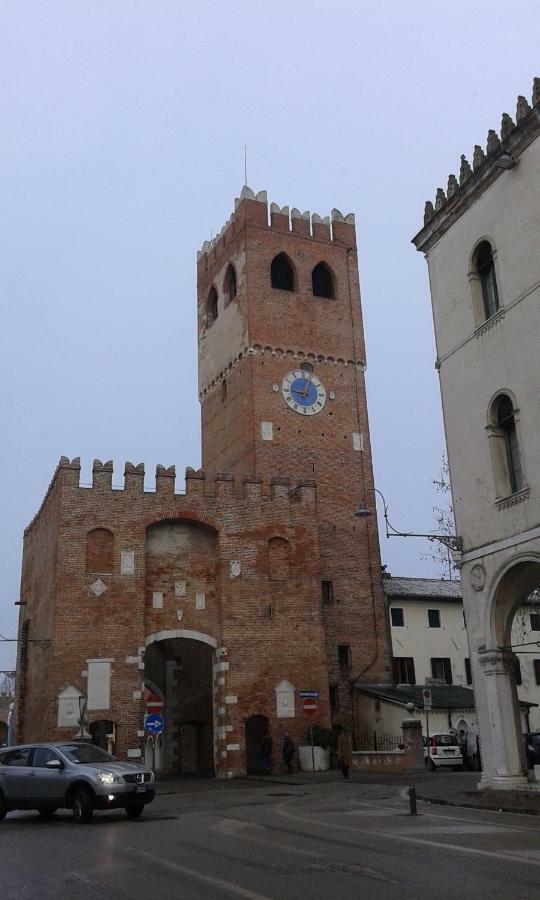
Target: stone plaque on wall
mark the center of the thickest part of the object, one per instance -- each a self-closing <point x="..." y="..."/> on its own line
<point x="157" y="599"/>
<point x="200" y="600"/>
<point x="127" y="562"/>
<point x="68" y="707"/>
<point x="285" y="700"/>
<point x="179" y="588"/>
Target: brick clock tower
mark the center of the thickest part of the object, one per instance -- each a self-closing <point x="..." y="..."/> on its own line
<point x="282" y="392"/>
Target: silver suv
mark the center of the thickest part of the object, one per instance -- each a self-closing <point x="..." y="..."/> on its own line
<point x="72" y="775"/>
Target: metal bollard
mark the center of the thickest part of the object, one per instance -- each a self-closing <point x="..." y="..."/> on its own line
<point x="412" y="801"/>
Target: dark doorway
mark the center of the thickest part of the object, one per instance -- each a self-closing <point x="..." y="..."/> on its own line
<point x="255" y="729"/>
<point x="103" y="734"/>
<point x="3" y="734"/>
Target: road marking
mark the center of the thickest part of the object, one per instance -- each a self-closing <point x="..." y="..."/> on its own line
<point x="440" y="845"/>
<point x="268" y="841"/>
<point x="200" y="876"/>
<point x="230" y="826"/>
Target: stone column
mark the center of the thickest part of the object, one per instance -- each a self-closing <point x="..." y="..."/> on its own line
<point x="414" y="746"/>
<point x="504" y="722"/>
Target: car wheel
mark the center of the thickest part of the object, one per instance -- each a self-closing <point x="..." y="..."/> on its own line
<point x="82" y="805"/>
<point x="431" y="765"/>
<point x="3" y="807"/>
<point x="47" y="813"/>
<point x="134" y="810"/>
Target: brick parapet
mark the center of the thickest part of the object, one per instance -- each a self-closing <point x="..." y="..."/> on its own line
<point x="251" y="210"/>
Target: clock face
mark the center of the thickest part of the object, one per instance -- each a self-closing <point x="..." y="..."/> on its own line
<point x="303" y="392"/>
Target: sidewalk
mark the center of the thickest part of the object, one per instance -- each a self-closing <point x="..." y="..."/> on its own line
<point x="460" y="789"/>
<point x="446" y="788"/>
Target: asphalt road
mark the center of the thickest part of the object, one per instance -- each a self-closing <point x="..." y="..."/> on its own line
<point x="331" y="840"/>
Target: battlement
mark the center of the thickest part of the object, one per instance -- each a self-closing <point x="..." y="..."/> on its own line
<point x="224" y="486"/>
<point x="501" y="154"/>
<point x="252" y="208"/>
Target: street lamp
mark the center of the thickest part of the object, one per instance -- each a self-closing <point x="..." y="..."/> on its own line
<point x="453" y="542"/>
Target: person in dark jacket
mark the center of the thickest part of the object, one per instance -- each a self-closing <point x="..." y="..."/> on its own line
<point x="344" y="752"/>
<point x="288" y="752"/>
<point x="265" y="752"/>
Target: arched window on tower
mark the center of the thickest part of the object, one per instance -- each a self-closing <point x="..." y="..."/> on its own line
<point x="505" y="446"/>
<point x="322" y="281"/>
<point x="484" y="270"/>
<point x="282" y="273"/>
<point x="99" y="551"/>
<point x="229" y="284"/>
<point x="212" y="306"/>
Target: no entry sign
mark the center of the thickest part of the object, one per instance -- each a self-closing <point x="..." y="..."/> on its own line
<point x="309" y="706"/>
<point x="154" y="704"/>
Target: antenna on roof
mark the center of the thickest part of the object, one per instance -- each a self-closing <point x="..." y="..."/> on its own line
<point x="245" y="166"/>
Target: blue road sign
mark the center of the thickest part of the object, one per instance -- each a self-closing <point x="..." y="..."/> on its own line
<point x="154" y="724"/>
<point x="313" y="694"/>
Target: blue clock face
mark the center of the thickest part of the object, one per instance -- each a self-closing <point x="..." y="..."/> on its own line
<point x="303" y="392"/>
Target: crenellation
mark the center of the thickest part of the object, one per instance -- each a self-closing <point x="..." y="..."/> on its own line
<point x="507" y="126"/>
<point x="195" y="481"/>
<point x="280" y="487"/>
<point x="522" y="108"/>
<point x="134" y="478"/>
<point x="465" y="171"/>
<point x="440" y="199"/>
<point x="165" y="480"/>
<point x="224" y="485"/>
<point x="102" y="474"/>
<point x="493" y="142"/>
<point x="320" y="227"/>
<point x="514" y="137"/>
<point x="252" y="486"/>
<point x="479" y="157"/>
<point x="452" y="186"/>
<point x="301" y="222"/>
<point x="252" y="208"/>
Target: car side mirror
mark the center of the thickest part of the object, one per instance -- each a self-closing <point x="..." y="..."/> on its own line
<point x="54" y="764"/>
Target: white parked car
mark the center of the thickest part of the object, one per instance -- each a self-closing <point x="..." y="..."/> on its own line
<point x="443" y="750"/>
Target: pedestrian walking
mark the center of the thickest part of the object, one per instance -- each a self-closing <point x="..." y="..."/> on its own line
<point x="265" y="753"/>
<point x="344" y="752"/>
<point x="288" y="752"/>
<point x="462" y="738"/>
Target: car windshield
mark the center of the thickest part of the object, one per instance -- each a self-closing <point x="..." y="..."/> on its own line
<point x="446" y="740"/>
<point x="86" y="753"/>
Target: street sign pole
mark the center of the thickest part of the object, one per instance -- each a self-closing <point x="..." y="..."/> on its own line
<point x="312" y="749"/>
<point x="426" y="693"/>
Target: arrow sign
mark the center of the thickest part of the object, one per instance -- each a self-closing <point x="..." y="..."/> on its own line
<point x="313" y="694"/>
<point x="309" y="706"/>
<point x="153" y="724"/>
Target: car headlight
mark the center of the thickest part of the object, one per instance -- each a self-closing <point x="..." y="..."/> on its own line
<point x="109" y="778"/>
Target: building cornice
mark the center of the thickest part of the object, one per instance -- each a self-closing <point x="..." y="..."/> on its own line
<point x="502" y="154"/>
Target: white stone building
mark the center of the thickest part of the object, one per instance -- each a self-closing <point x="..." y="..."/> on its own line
<point x="481" y="242"/>
<point x="429" y="645"/>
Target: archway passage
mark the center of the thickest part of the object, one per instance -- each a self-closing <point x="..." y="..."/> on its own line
<point x="513" y="615"/>
<point x="256" y="728"/>
<point x="182" y="670"/>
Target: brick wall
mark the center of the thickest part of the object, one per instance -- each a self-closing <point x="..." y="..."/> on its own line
<point x="262" y="630"/>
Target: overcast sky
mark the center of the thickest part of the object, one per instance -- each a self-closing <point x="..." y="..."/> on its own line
<point x="123" y="126"/>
